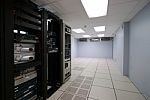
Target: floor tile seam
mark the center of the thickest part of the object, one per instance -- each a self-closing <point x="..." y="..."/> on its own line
<point x="103" y="72"/>
<point x="92" y="82"/>
<point x="139" y="90"/>
<point x="81" y="95"/>
<point x="132" y="91"/>
<point x="81" y="85"/>
<point x="92" y="98"/>
<point x="68" y="91"/>
<point x="122" y="81"/>
<point x="102" y="86"/>
<point x="81" y="73"/>
<point x="112" y="81"/>
<point x="74" y="94"/>
<point x="60" y="95"/>
<point x="66" y="86"/>
<point x="61" y="90"/>
<point x="103" y="78"/>
<point x="127" y="91"/>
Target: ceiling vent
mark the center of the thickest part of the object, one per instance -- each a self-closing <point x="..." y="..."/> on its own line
<point x="82" y="39"/>
<point x="95" y="40"/>
<point x="106" y="38"/>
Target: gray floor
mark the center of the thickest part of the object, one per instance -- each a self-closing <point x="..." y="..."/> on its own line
<point x="96" y="79"/>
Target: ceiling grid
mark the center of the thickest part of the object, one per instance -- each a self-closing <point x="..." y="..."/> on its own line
<point x="73" y="13"/>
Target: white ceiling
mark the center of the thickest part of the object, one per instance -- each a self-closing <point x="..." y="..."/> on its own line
<point x="73" y="14"/>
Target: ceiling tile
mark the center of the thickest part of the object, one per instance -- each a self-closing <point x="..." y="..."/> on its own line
<point x="73" y="13"/>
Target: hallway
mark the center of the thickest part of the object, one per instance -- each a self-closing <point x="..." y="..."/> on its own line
<point x="96" y="79"/>
<point x="75" y="49"/>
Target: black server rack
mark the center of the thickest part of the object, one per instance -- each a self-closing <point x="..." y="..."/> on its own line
<point x="53" y="53"/>
<point x="6" y="50"/>
<point x="22" y="51"/>
<point x="1" y="50"/>
<point x="66" y="52"/>
<point x="35" y="54"/>
<point x="1" y="68"/>
<point x="28" y="51"/>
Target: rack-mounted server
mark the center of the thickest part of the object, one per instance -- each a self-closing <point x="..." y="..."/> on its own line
<point x="27" y="30"/>
<point x="35" y="51"/>
<point x="22" y="56"/>
<point x="27" y="33"/>
<point x="66" y="53"/>
<point x="23" y="53"/>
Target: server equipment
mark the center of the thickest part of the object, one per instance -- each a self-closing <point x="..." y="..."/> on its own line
<point x="35" y="52"/>
<point x="21" y="50"/>
<point x="6" y="50"/>
<point x="53" y="24"/>
<point x="27" y="54"/>
<point x="66" y="53"/>
<point x="1" y="53"/>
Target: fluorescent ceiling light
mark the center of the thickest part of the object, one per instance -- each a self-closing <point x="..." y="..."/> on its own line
<point x="99" y="28"/>
<point x="100" y="35"/>
<point x="78" y="30"/>
<point x="95" y="8"/>
<point x="86" y="36"/>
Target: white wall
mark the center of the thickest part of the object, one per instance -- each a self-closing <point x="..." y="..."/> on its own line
<point x="126" y="49"/>
<point x="139" y="56"/>
<point x="74" y="47"/>
<point x="95" y="49"/>
<point x="118" y="47"/>
<point x="131" y="49"/>
<point x="121" y="48"/>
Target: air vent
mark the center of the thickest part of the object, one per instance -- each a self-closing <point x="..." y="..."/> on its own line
<point x="82" y="40"/>
<point x="94" y="39"/>
<point x="106" y="38"/>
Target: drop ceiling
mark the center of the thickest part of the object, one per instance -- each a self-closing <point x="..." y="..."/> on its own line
<point x="73" y="14"/>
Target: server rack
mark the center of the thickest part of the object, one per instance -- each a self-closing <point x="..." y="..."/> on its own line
<point x="53" y="53"/>
<point x="35" y="51"/>
<point x="6" y="52"/>
<point x="1" y="36"/>
<point x="66" y="53"/>
<point x="27" y="51"/>
<point x="22" y="51"/>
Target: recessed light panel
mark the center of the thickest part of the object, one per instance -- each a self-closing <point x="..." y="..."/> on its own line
<point x="86" y="36"/>
<point x="99" y="28"/>
<point x="78" y="30"/>
<point x="100" y="35"/>
<point x="95" y="8"/>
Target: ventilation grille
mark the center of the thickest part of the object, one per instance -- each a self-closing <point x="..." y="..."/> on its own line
<point x="82" y="39"/>
<point x="106" y="38"/>
<point x="95" y="39"/>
